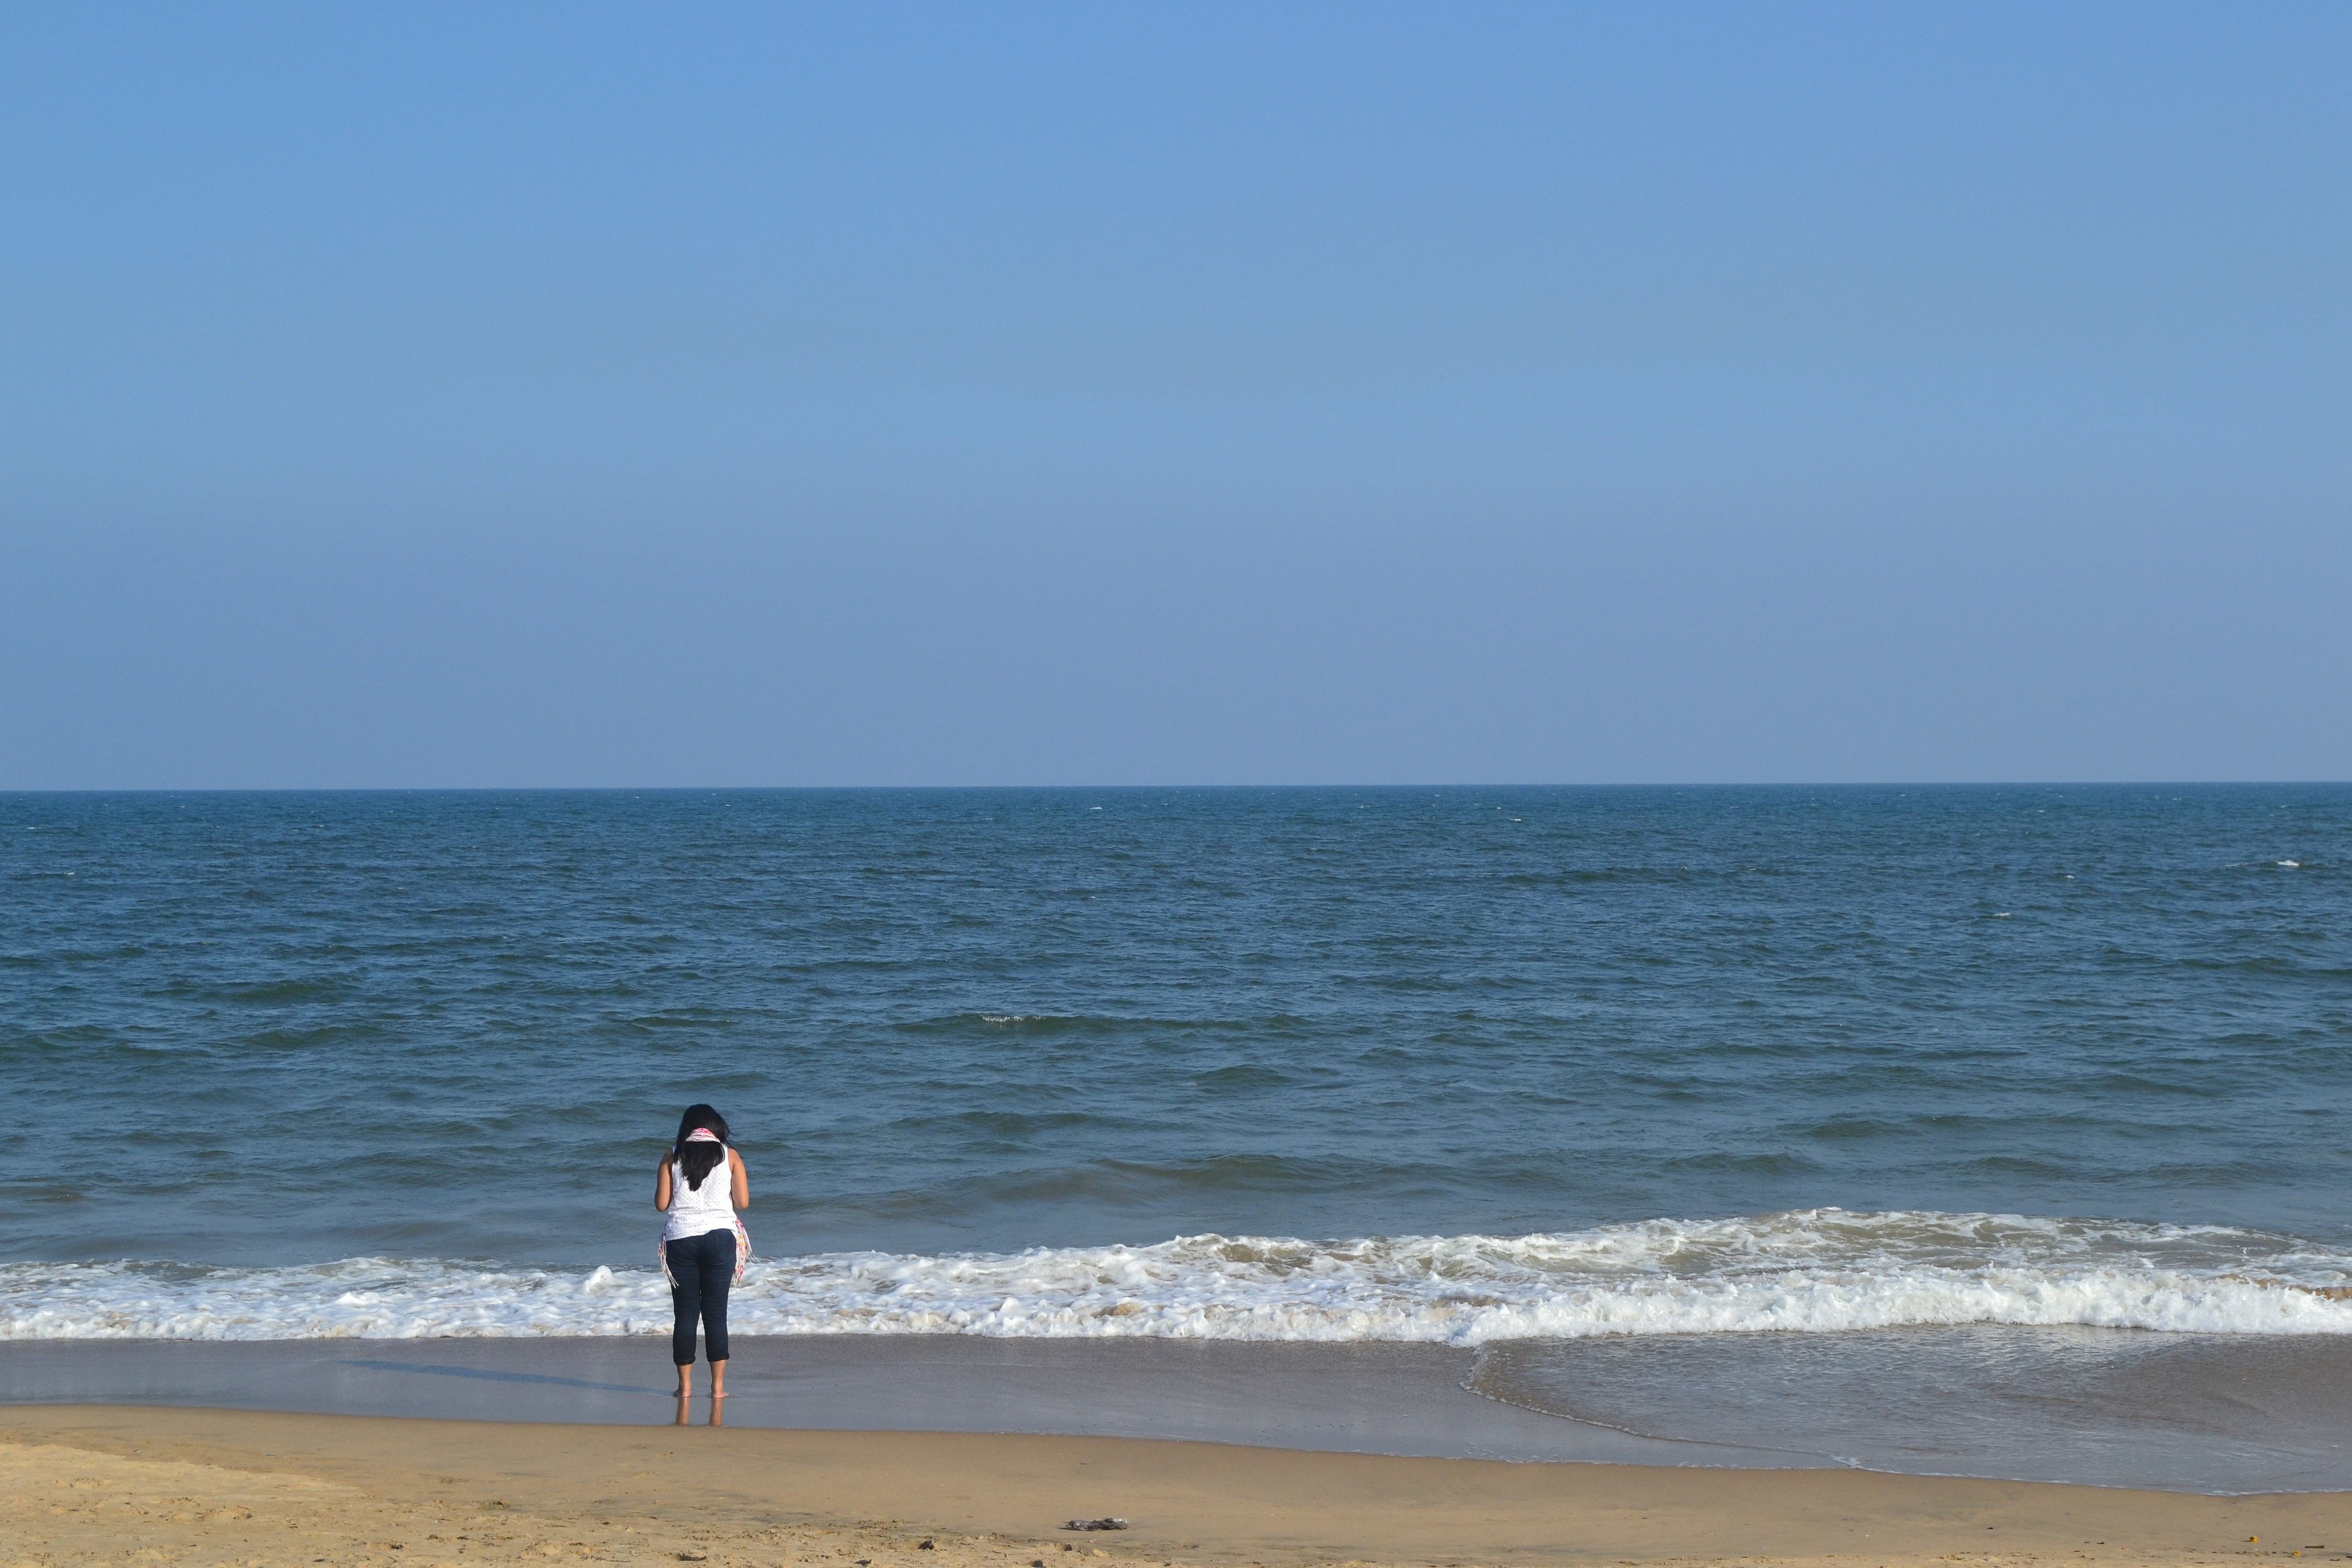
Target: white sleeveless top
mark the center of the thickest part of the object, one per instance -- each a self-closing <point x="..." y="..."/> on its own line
<point x="697" y="1213"/>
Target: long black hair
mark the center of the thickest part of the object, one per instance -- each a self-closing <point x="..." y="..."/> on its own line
<point x="697" y="1159"/>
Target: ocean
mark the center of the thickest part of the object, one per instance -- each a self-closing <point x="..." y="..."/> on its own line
<point x="1581" y="1081"/>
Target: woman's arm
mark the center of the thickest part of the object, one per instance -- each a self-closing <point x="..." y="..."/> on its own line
<point x="661" y="1185"/>
<point x="742" y="1184"/>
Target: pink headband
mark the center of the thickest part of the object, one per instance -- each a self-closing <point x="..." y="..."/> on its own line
<point x="702" y="1135"/>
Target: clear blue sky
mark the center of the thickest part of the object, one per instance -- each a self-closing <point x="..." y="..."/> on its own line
<point x="414" y="395"/>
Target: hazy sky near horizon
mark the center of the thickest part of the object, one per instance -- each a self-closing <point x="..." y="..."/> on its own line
<point x="459" y="395"/>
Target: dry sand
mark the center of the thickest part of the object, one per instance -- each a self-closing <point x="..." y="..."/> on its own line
<point x="135" y="1486"/>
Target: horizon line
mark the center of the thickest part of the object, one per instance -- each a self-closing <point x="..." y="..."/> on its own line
<point x="1033" y="788"/>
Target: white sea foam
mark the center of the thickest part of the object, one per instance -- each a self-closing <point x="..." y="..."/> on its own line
<point x="1814" y="1272"/>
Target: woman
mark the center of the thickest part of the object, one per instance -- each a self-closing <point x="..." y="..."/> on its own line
<point x="701" y="1245"/>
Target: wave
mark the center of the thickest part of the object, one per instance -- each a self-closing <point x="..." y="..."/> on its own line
<point x="1813" y="1271"/>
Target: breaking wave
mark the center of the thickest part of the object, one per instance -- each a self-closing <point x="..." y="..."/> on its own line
<point x="1813" y="1271"/>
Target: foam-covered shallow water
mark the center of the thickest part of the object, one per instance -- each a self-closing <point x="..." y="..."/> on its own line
<point x="1824" y="1271"/>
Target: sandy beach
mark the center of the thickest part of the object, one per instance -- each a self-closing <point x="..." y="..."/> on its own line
<point x="130" y="1485"/>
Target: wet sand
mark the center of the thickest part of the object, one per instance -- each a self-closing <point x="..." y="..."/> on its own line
<point x="1369" y="1398"/>
<point x="93" y="1484"/>
<point x="2110" y="1407"/>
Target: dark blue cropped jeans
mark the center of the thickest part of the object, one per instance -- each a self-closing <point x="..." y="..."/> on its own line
<point x="704" y="1267"/>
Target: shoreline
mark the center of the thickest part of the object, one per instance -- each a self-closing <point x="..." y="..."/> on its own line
<point x="2108" y="1408"/>
<point x="90" y="1483"/>
<point x="1406" y="1400"/>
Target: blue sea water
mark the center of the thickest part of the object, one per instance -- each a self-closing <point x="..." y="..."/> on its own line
<point x="1466" y="1064"/>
